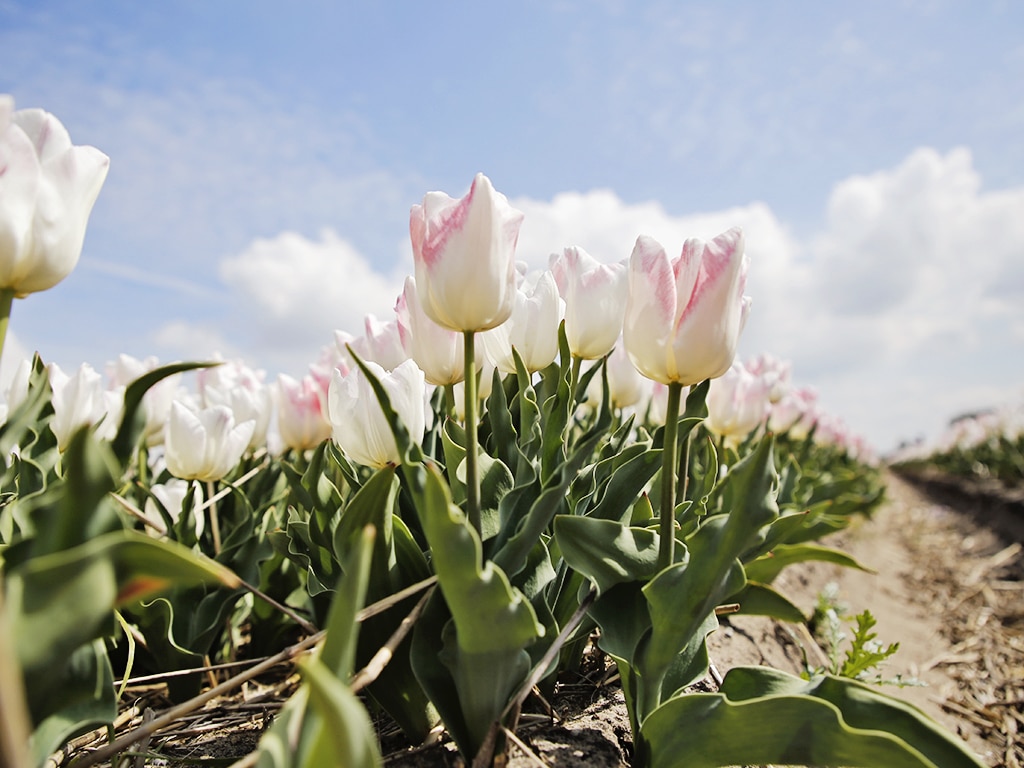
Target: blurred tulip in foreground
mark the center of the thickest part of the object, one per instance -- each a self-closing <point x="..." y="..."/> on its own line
<point x="359" y="426"/>
<point x="47" y="191"/>
<point x="684" y="317"/>
<point x="464" y="252"/>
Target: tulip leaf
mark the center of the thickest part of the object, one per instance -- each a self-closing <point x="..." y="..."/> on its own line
<point x="682" y="596"/>
<point x="81" y="696"/>
<point x="762" y="716"/>
<point x="625" y="485"/>
<point x="345" y="736"/>
<point x="765" y="568"/>
<point x="32" y="414"/>
<point x="757" y="599"/>
<point x="397" y="563"/>
<point x="491" y="625"/>
<point x="607" y="552"/>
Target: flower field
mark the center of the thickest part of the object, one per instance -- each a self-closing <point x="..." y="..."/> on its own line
<point x="441" y="523"/>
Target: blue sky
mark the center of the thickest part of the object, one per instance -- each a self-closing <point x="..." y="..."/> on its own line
<point x="264" y="159"/>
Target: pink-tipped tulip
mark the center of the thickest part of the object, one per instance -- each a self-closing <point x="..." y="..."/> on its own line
<point x="439" y="352"/>
<point x="465" y="256"/>
<point x="300" y="418"/>
<point x="684" y="317"/>
<point x="595" y="301"/>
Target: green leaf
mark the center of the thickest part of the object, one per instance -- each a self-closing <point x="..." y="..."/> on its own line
<point x="339" y="648"/>
<point x="765" y="568"/>
<point x="82" y="698"/>
<point x="492" y="623"/>
<point x="764" y="716"/>
<point x="757" y="599"/>
<point x="607" y="552"/>
<point x="683" y="595"/>
<point x="63" y="600"/>
<point x="346" y="736"/>
<point x="132" y="421"/>
<point x="626" y="483"/>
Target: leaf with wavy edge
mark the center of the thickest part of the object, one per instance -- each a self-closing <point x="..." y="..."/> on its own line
<point x="763" y="716"/>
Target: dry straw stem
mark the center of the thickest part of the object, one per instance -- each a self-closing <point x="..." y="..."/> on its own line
<point x="287" y="655"/>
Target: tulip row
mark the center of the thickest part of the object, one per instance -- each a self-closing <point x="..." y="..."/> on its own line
<point x="987" y="445"/>
<point x="546" y="498"/>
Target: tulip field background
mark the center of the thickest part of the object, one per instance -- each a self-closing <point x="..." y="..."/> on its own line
<point x="615" y="457"/>
<point x="520" y="486"/>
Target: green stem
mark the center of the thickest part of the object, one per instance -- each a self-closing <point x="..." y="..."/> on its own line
<point x="667" y="528"/>
<point x="6" y="300"/>
<point x="577" y="365"/>
<point x="449" y="401"/>
<point x="472" y="482"/>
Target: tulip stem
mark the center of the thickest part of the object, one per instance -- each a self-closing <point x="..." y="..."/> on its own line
<point x="214" y="517"/>
<point x="6" y="300"/>
<point x="667" y="527"/>
<point x="472" y="482"/>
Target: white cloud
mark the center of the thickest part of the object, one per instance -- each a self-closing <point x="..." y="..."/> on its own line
<point x="292" y="292"/>
<point x="180" y="340"/>
<point x="903" y="311"/>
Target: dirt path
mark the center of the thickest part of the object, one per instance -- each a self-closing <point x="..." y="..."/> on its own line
<point x="951" y="592"/>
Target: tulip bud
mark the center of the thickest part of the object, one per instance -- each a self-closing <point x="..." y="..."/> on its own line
<point x="532" y="328"/>
<point x="465" y="256"/>
<point x="172" y="495"/>
<point x="82" y="399"/>
<point x="359" y="425"/>
<point x="300" y="418"/>
<point x="205" y="444"/>
<point x="595" y="301"/>
<point x="737" y="403"/>
<point x="48" y="188"/>
<point x="439" y="352"/>
<point x="241" y="389"/>
<point x="684" y="317"/>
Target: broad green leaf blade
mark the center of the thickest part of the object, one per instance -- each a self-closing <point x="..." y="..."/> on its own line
<point x="339" y="649"/>
<point x="607" y="552"/>
<point x="62" y="600"/>
<point x="682" y="596"/>
<point x="757" y="599"/>
<point x="766" y="716"/>
<point x="346" y="736"/>
<point x="625" y="486"/>
<point x="488" y="613"/>
<point x="491" y="626"/>
<point x="82" y="698"/>
<point x="765" y="568"/>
